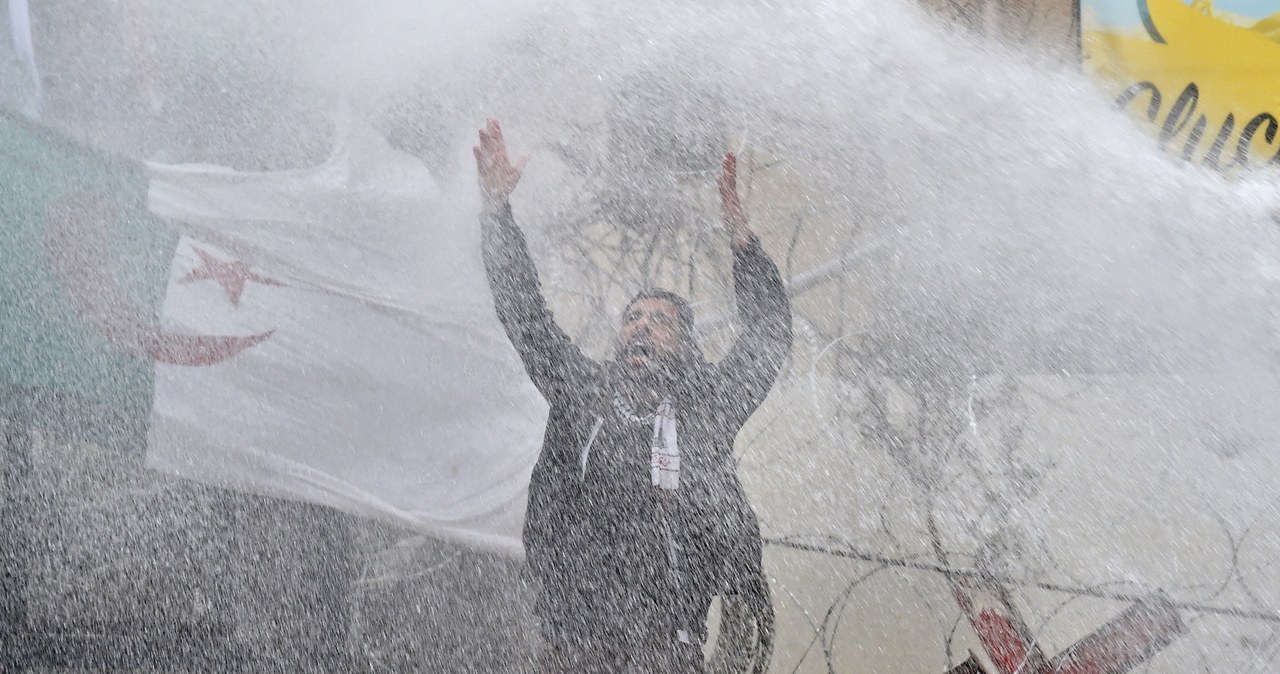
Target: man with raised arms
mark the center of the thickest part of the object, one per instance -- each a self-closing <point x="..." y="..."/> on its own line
<point x="636" y="517"/>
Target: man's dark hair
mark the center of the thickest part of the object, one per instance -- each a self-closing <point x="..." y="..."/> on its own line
<point x="684" y="312"/>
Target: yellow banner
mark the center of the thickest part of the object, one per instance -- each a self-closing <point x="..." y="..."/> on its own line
<point x="1205" y="79"/>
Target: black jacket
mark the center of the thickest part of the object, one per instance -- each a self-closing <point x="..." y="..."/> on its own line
<point x="614" y="554"/>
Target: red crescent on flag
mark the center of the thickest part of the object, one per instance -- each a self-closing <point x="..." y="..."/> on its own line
<point x="76" y="238"/>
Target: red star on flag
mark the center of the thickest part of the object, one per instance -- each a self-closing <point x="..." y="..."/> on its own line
<point x="230" y="275"/>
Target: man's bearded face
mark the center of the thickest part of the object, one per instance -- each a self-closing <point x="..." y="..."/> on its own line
<point x="651" y="334"/>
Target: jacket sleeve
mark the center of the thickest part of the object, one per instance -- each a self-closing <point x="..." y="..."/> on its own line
<point x="553" y="362"/>
<point x="764" y="340"/>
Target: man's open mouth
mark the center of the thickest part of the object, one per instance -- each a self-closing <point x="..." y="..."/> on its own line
<point x="640" y="348"/>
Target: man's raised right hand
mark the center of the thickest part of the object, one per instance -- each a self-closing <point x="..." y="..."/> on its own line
<point x="498" y="177"/>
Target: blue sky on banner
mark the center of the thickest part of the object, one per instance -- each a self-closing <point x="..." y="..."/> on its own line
<point x="1124" y="13"/>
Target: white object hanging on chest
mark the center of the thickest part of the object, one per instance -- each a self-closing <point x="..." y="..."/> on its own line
<point x="664" y="447"/>
<point x="664" y="454"/>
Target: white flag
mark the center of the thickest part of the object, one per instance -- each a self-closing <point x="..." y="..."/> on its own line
<point x="376" y="377"/>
